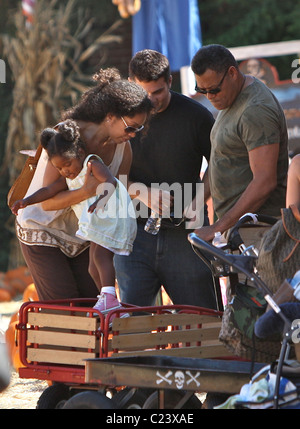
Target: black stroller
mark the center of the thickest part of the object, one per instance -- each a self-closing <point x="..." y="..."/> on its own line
<point x="225" y="263"/>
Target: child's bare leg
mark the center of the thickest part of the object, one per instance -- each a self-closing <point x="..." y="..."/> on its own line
<point x="103" y="260"/>
<point x="93" y="270"/>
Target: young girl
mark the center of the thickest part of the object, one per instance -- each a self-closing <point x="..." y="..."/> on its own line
<point x="107" y="220"/>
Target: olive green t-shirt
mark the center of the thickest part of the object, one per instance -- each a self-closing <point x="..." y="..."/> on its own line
<point x="255" y="119"/>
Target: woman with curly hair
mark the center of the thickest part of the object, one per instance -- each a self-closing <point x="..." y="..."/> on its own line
<point x="100" y="220"/>
<point x="107" y="116"/>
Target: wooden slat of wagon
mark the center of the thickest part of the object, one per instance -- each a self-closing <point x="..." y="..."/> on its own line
<point x="148" y="340"/>
<point x="203" y="351"/>
<point x="62" y="321"/>
<point x="58" y="356"/>
<point x="153" y="322"/>
<point x="61" y="339"/>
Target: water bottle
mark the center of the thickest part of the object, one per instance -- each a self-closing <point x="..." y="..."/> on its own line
<point x="153" y="223"/>
<point x="219" y="240"/>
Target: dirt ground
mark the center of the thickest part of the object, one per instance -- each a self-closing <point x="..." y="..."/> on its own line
<point x="21" y="393"/>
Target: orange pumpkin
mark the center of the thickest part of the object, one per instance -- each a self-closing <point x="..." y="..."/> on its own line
<point x="14" y="318"/>
<point x="5" y="295"/>
<point x="18" y="279"/>
<point x="30" y="293"/>
<point x="6" y="291"/>
<point x="12" y="345"/>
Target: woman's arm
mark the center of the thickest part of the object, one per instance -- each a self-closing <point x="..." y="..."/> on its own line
<point x="293" y="183"/>
<point x="89" y="189"/>
<point x="68" y="198"/>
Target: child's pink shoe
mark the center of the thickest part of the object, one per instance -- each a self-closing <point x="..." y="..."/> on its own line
<point x="107" y="302"/>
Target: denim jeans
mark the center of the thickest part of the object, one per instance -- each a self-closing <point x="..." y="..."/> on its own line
<point x="270" y="323"/>
<point x="164" y="259"/>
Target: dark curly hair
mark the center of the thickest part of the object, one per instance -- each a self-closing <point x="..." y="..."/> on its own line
<point x="112" y="95"/>
<point x="63" y="141"/>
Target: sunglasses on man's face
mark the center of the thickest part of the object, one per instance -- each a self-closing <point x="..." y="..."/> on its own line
<point x="129" y="129"/>
<point x="214" y="90"/>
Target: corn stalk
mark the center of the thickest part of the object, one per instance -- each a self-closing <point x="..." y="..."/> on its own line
<point x="45" y="60"/>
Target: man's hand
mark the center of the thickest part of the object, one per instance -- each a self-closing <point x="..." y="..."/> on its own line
<point x="206" y="233"/>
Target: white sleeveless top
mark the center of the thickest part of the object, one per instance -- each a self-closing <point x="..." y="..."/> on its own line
<point x="112" y="226"/>
<point x="55" y="228"/>
<point x="117" y="159"/>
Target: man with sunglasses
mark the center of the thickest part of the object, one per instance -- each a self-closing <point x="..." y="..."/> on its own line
<point x="170" y="152"/>
<point x="249" y="157"/>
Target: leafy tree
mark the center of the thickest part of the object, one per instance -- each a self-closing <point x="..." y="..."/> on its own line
<point x="240" y="23"/>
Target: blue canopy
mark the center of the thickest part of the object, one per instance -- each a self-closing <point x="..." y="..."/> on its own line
<point x="171" y="27"/>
